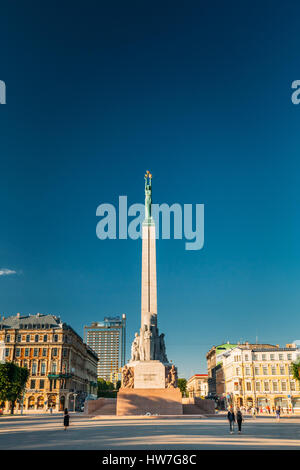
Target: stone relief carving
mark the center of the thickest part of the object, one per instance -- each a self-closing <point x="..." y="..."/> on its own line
<point x="171" y="379"/>
<point x="127" y="377"/>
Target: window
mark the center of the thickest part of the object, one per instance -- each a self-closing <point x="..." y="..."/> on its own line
<point x="237" y="371"/>
<point x="45" y="338"/>
<point x="7" y="339"/>
<point x="65" y="352"/>
<point x="32" y="384"/>
<point x="283" y="385"/>
<point x="42" y="384"/>
<point x="275" y="386"/>
<point x="36" y="338"/>
<point x="25" y="364"/>
<point x="236" y="386"/>
<point x="26" y="352"/>
<point x="44" y="352"/>
<point x="256" y="370"/>
<point x="54" y="352"/>
<point x="248" y="386"/>
<point x="293" y="386"/>
<point x="55" y="338"/>
<point x="19" y="338"/>
<point x="289" y="356"/>
<point x="35" y="352"/>
<point x="246" y="357"/>
<point x="248" y="371"/>
<point x="281" y="370"/>
<point x="272" y="357"/>
<point x="43" y="368"/>
<point x="34" y="368"/>
<point x="263" y="357"/>
<point x="273" y="370"/>
<point x="281" y="357"/>
<point x="18" y="352"/>
<point x="6" y="352"/>
<point x="265" y="370"/>
<point x="53" y="368"/>
<point x="27" y="338"/>
<point x="266" y="386"/>
<point x="257" y="386"/>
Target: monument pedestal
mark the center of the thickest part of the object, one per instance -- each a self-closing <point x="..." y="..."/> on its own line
<point x="149" y="374"/>
<point x="139" y="401"/>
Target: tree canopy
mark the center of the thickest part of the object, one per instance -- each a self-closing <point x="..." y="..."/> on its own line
<point x="12" y="382"/>
<point x="296" y="369"/>
<point x="182" y="383"/>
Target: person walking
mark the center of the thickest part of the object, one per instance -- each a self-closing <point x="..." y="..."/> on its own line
<point x="239" y="420"/>
<point x="254" y="412"/>
<point x="278" y="413"/>
<point x="231" y="419"/>
<point x="50" y="409"/>
<point x="66" y="418"/>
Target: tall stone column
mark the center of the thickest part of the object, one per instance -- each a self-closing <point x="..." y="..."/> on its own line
<point x="149" y="288"/>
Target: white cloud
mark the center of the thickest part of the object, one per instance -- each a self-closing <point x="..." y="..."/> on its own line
<point x="6" y="272"/>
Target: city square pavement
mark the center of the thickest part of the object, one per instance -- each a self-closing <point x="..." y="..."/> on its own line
<point x="44" y="432"/>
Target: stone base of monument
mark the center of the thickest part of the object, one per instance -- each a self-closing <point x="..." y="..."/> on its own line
<point x="140" y="401"/>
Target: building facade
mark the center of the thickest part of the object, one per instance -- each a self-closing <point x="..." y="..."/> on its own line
<point x="262" y="377"/>
<point x="197" y="385"/>
<point x="108" y="340"/>
<point x="216" y="377"/>
<point x="63" y="370"/>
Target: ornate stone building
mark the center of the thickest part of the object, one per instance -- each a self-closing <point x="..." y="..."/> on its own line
<point x="262" y="377"/>
<point x="197" y="385"/>
<point x="63" y="370"/>
<point x="215" y="370"/>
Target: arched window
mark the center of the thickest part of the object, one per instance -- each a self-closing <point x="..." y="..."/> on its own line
<point x="53" y="368"/>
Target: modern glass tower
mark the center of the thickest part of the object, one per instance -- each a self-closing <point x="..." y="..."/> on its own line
<point x="108" y="340"/>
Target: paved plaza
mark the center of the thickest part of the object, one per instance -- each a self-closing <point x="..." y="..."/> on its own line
<point x="44" y="432"/>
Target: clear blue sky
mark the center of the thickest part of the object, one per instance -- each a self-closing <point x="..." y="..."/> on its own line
<point x="200" y="94"/>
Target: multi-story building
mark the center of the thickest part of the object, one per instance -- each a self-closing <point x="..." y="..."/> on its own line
<point x="108" y="340"/>
<point x="262" y="377"/>
<point x="63" y="370"/>
<point x="214" y="357"/>
<point x="197" y="385"/>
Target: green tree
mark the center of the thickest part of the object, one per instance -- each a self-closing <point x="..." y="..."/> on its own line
<point x="105" y="388"/>
<point x="118" y="384"/>
<point x="296" y="369"/>
<point x="12" y="383"/>
<point x="182" y="383"/>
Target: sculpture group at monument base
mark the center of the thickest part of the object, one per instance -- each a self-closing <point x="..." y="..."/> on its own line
<point x="140" y="401"/>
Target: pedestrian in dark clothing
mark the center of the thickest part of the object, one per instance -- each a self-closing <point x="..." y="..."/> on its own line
<point x="66" y="418"/>
<point x="231" y="419"/>
<point x="239" y="420"/>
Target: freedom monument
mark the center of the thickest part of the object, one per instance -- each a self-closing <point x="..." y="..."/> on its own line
<point x="149" y="381"/>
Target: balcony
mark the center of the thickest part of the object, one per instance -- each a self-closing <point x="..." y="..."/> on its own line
<point x="59" y="376"/>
